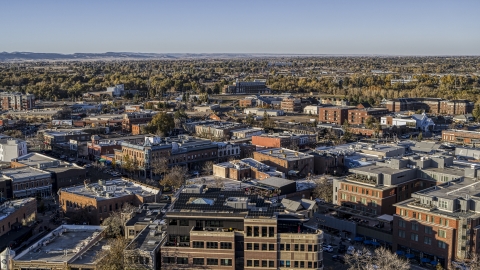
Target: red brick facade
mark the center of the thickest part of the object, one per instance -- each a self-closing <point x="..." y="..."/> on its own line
<point x="336" y="115"/>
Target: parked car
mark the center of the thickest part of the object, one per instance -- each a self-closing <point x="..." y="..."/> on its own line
<point x="350" y="250"/>
<point x="328" y="248"/>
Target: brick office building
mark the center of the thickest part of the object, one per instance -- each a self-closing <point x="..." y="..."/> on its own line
<point x="100" y="199"/>
<point x="15" y="213"/>
<point x="336" y="115"/>
<point x="132" y="118"/>
<point x="285" y="140"/>
<point x="358" y="116"/>
<point x="221" y="229"/>
<point x="287" y="161"/>
<point x="17" y="101"/>
<point x="375" y="188"/>
<point x="440" y="223"/>
<point x="430" y="105"/>
<point x="291" y="105"/>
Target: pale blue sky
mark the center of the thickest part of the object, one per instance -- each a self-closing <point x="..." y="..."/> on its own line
<point x="406" y="27"/>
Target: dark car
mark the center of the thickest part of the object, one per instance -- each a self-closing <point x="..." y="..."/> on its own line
<point x="338" y="258"/>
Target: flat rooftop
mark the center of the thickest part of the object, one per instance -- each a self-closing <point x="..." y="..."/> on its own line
<point x="24" y="173"/>
<point x="62" y="244"/>
<point x="112" y="189"/>
<point x="283" y="153"/>
<point x="7" y="208"/>
<point x="33" y="159"/>
<point x="449" y="170"/>
<point x="147" y="240"/>
<point x="378" y="169"/>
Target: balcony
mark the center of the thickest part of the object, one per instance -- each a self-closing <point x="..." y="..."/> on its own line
<point x="362" y="179"/>
<point x="417" y="203"/>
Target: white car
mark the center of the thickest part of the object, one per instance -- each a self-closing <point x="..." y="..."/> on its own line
<point x="328" y="248"/>
<point x="350" y="250"/>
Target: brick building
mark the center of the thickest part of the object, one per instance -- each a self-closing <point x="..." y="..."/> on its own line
<point x="328" y="162"/>
<point x="287" y="161"/>
<point x="375" y="188"/>
<point x="137" y="129"/>
<point x="247" y="168"/>
<point x="247" y="102"/>
<point x="358" y="116"/>
<point x="255" y="87"/>
<point x="17" y="101"/>
<point x="337" y="115"/>
<point x="17" y="213"/>
<point x="286" y="140"/>
<point x="132" y="118"/>
<point x="28" y="182"/>
<point x="440" y="223"/>
<point x="430" y="105"/>
<point x="230" y="231"/>
<point x="291" y="105"/>
<point x="100" y="199"/>
<point x="461" y="136"/>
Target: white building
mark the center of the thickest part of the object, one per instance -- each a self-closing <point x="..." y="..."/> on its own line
<point x="419" y="121"/>
<point x="117" y="90"/>
<point x="311" y="109"/>
<point x="12" y="148"/>
<point x="261" y="112"/>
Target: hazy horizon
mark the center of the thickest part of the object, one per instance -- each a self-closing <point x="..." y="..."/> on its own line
<point x="406" y="28"/>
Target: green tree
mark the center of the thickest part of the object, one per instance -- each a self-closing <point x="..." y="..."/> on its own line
<point x="250" y="120"/>
<point x="420" y="136"/>
<point x="347" y="132"/>
<point x="161" y="122"/>
<point x="476" y="112"/>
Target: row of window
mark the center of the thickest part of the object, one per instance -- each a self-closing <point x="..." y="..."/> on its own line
<point x="212" y="245"/>
<point x="32" y="184"/>
<point x="427" y="229"/>
<point x="298" y="247"/>
<point x="260" y="263"/>
<point x="198" y="261"/>
<point x="258" y="246"/>
<point x="299" y="264"/>
<point x="362" y="200"/>
<point x="420" y="216"/>
<point x="426" y="239"/>
<point x="257" y="231"/>
<point x="364" y="191"/>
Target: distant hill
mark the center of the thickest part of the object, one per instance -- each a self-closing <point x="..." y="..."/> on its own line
<point x="30" y="56"/>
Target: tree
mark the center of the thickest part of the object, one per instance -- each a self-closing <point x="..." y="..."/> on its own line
<point x="347" y="133"/>
<point x="250" y="120"/>
<point x="160" y="165"/>
<point x="381" y="259"/>
<point x="476" y="112"/>
<point x="175" y="178"/>
<point x="162" y="122"/>
<point x="127" y="164"/>
<point x="115" y="222"/>
<point x="218" y="182"/>
<point x="323" y="189"/>
<point x="369" y="122"/>
<point x="207" y="167"/>
<point x="420" y="136"/>
<point x="113" y="258"/>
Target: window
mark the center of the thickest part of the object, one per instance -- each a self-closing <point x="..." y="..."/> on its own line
<point x="415" y="226"/>
<point x="256" y="231"/>
<point x="401" y="233"/>
<point x="249" y="230"/>
<point x="442" y="233"/>
<point x="287" y="246"/>
<point x="198" y="244"/>
<point x="401" y="223"/>
<point x="213" y="223"/>
<point x="309" y="264"/>
<point x="428" y="230"/>
<point x="198" y="261"/>
<point x="271" y="263"/>
<point x="169" y="259"/>
<point x="226" y="262"/>
<point x="364" y="201"/>
<point x="414" y="237"/>
<point x="344" y="196"/>
<point x="427" y="240"/>
<point x="302" y="264"/>
<point x="353" y="198"/>
<point x="211" y="261"/>
<point x="256" y="246"/>
<point x="442" y="244"/>
<point x="183" y="222"/>
<point x="282" y="246"/>
<point x="302" y="247"/>
<point x="287" y="263"/>
<point x="172" y="222"/>
<point x="213" y="245"/>
<point x="249" y="262"/>
<point x="182" y="260"/>
<point x="264" y="231"/>
<point x="264" y="247"/>
<point x="264" y="263"/>
<point x="295" y="264"/>
<point x="296" y="247"/>
<point x="225" y="245"/>
<point x="374" y="203"/>
<point x="249" y="246"/>
<point x="282" y="263"/>
<point x="443" y="204"/>
<point x="271" y="231"/>
<point x="256" y="263"/>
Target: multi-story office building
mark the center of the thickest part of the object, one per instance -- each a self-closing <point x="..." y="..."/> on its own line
<point x="287" y="140"/>
<point x="255" y="87"/>
<point x="101" y="199"/>
<point x="359" y="116"/>
<point x="217" y="130"/>
<point x="287" y="161"/>
<point x="12" y="148"/>
<point x="336" y="115"/>
<point x="430" y="105"/>
<point x="375" y="188"/>
<point x="17" y="101"/>
<point x="220" y="229"/>
<point x="440" y="223"/>
<point x="245" y="169"/>
<point x="179" y="151"/>
<point x="53" y="138"/>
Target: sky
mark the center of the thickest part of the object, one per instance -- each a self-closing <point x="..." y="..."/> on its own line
<point x="383" y="27"/>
